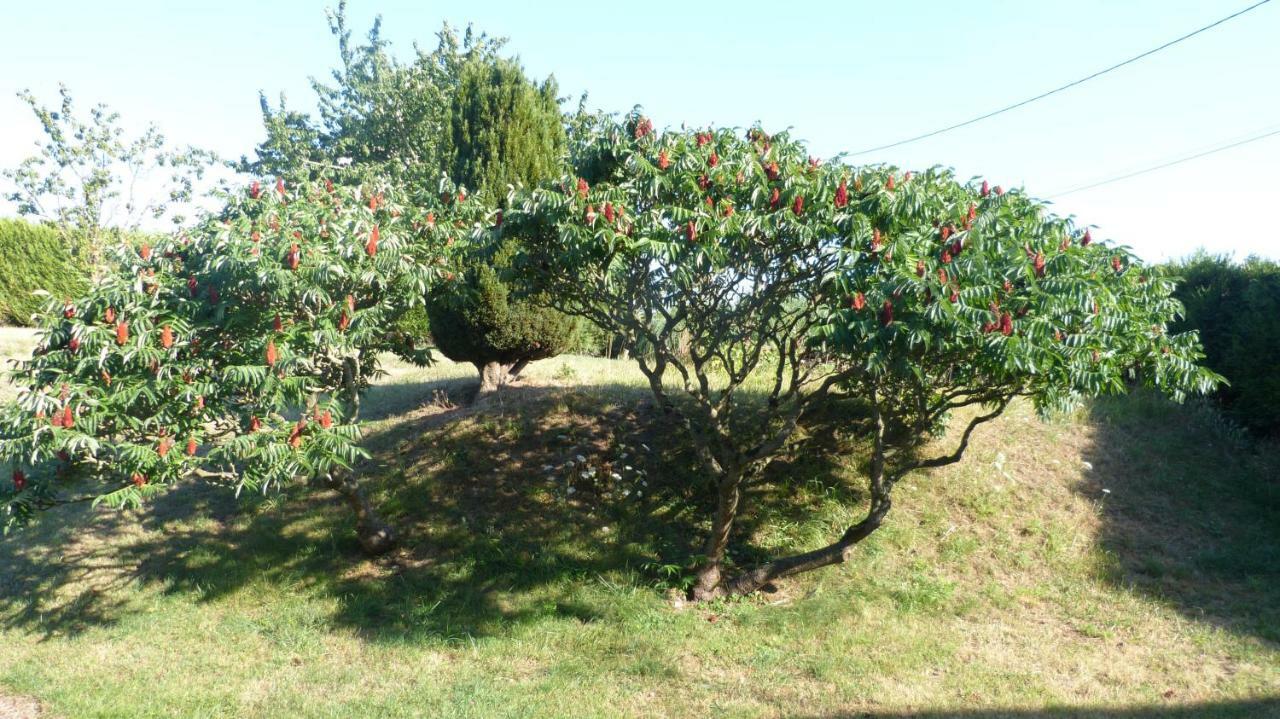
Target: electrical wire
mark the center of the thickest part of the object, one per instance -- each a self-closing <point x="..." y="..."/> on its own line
<point x="1162" y="166"/>
<point x="1057" y="90"/>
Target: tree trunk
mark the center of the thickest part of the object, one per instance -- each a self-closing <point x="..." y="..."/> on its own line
<point x="834" y="553"/>
<point x="492" y="376"/>
<point x="514" y="370"/>
<point x="375" y="536"/>
<point x="707" y="581"/>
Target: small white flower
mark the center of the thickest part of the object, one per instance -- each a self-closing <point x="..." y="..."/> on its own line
<point x="569" y="464"/>
<point x="1087" y="465"/>
<point x="344" y="162"/>
<point x="569" y="490"/>
<point x="627" y="468"/>
<point x="580" y="458"/>
<point x="604" y="529"/>
<point x="639" y="493"/>
<point x="547" y="468"/>
<point x="585" y="474"/>
<point x="1106" y="491"/>
<point x="644" y="482"/>
<point x="615" y="476"/>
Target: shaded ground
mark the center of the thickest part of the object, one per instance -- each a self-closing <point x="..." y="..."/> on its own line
<point x="1010" y="580"/>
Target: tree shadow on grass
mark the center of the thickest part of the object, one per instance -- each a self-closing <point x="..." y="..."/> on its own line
<point x="1263" y="708"/>
<point x="1191" y="514"/>
<point x="493" y="537"/>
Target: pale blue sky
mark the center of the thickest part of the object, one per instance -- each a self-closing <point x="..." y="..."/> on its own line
<point x="844" y="76"/>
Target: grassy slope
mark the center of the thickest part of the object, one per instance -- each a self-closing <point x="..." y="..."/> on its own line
<point x="1012" y="580"/>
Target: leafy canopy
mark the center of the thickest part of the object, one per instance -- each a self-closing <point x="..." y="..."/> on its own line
<point x="235" y="353"/>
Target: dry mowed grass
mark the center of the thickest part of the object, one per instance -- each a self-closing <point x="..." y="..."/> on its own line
<point x="1121" y="562"/>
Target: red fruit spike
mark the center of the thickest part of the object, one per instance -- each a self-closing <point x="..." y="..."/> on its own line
<point x="774" y="199"/>
<point x="691" y="231"/>
<point x="886" y="313"/>
<point x="68" y="417"/>
<point x="145" y="251"/>
<point x="191" y="447"/>
<point x="295" y="437"/>
<point x="772" y="171"/>
<point x="889" y="185"/>
<point x="68" y="310"/>
<point x="945" y="232"/>
<point x="842" y="194"/>
<point x="138" y="479"/>
<point x="166" y="337"/>
<point x="955" y="296"/>
<point x="919" y="268"/>
<point x="999" y="190"/>
<point x="328" y="185"/>
<point x="294" y="256"/>
<point x="942" y="276"/>
<point x="326" y="419"/>
<point x="110" y="315"/>
<point x="1006" y="324"/>
<point x="1038" y="264"/>
<point x="875" y="240"/>
<point x="986" y="188"/>
<point x="371" y="247"/>
<point x="946" y="256"/>
<point x="271" y="355"/>
<point x="713" y="160"/>
<point x="255" y="189"/>
<point x="255" y="424"/>
<point x="590" y="215"/>
<point x="199" y="402"/>
<point x="280" y="185"/>
<point x="344" y="321"/>
<point x="956" y="247"/>
<point x="704" y="182"/>
<point x="859" y="301"/>
<point x="583" y="188"/>
<point x="351" y="304"/>
<point x="797" y="205"/>
<point x="663" y="161"/>
<point x="163" y="448"/>
<point x="277" y="325"/>
<point x="19" y="480"/>
<point x="122" y="332"/>
<point x="973" y="212"/>
<point x="431" y="220"/>
<point x="1008" y="286"/>
<point x="728" y="210"/>
<point x="106" y="378"/>
<point x="608" y="212"/>
<point x="497" y="219"/>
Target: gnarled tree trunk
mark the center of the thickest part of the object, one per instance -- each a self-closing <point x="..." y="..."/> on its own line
<point x="375" y="536"/>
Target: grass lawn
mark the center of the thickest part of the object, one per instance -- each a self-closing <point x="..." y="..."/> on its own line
<point x="1121" y="562"/>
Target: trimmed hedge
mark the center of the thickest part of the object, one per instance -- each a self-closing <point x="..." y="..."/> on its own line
<point x="1236" y="309"/>
<point x="33" y="257"/>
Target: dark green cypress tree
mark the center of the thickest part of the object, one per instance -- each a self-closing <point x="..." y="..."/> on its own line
<point x="503" y="130"/>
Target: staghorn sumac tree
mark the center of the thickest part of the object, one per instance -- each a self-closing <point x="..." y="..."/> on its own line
<point x="235" y="353"/>
<point x="765" y="284"/>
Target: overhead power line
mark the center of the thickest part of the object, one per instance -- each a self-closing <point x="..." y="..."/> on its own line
<point x="1162" y="166"/>
<point x="1057" y="90"/>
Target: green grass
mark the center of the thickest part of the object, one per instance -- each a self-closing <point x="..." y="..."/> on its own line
<point x="1009" y="584"/>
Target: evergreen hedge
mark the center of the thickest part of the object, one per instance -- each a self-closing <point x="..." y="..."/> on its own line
<point x="34" y="257"/>
<point x="1236" y="309"/>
